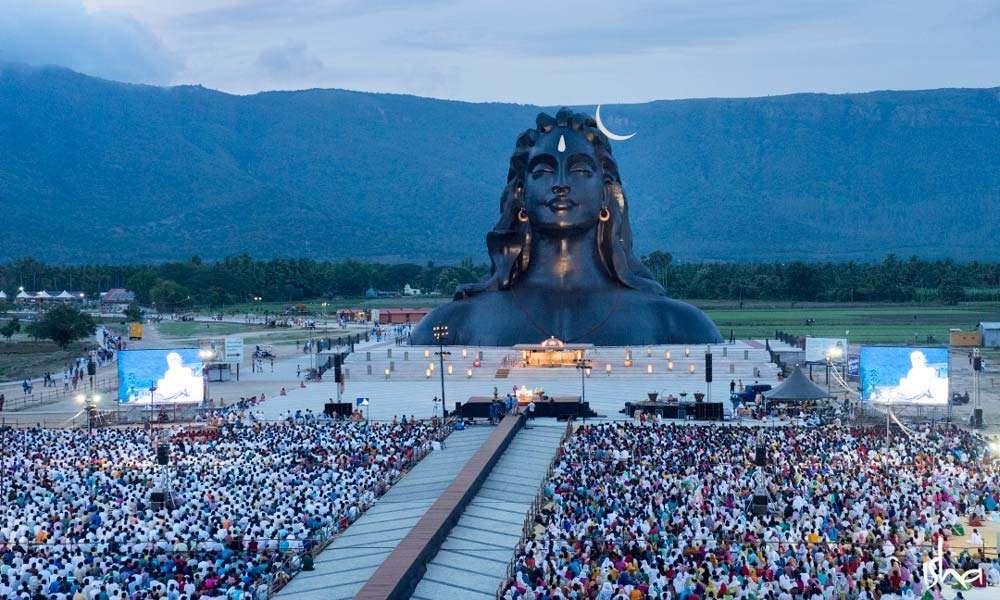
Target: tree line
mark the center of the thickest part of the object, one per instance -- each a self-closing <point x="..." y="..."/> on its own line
<point x="240" y="279"/>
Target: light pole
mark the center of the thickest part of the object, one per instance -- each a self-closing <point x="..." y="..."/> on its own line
<point x="584" y="366"/>
<point x="832" y="353"/>
<point x="90" y="405"/>
<point x="440" y="333"/>
<point x="366" y="403"/>
<point x="205" y="355"/>
<point x="977" y="368"/>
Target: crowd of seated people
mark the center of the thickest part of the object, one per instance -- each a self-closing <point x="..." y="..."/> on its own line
<point x="77" y="519"/>
<point x="664" y="511"/>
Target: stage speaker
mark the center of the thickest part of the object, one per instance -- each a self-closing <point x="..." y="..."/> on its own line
<point x="977" y="363"/>
<point x="977" y="417"/>
<point x="157" y="499"/>
<point x="708" y="367"/>
<point x="760" y="456"/>
<point x="338" y="373"/>
<point x="328" y="409"/>
<point x="758" y="505"/>
<point x="163" y="454"/>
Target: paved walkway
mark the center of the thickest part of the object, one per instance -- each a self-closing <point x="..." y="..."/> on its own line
<point x="351" y="559"/>
<point x="473" y="559"/>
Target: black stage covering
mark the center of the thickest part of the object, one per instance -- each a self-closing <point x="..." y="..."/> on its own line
<point x="560" y="407"/>
<point x="338" y="409"/>
<point x="702" y="411"/>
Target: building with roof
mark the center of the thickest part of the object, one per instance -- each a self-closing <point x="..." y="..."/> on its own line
<point x="401" y="316"/>
<point x="117" y="299"/>
<point x="66" y="297"/>
<point x="990" y="333"/>
<point x="43" y="297"/>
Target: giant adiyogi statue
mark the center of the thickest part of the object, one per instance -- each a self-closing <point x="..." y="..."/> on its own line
<point x="562" y="260"/>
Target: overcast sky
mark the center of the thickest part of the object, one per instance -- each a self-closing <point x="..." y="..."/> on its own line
<point x="528" y="51"/>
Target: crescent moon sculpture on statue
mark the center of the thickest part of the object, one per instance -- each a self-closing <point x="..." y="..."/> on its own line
<point x="605" y="131"/>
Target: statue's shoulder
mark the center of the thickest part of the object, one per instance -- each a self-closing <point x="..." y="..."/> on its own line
<point x="677" y="321"/>
<point x="459" y="315"/>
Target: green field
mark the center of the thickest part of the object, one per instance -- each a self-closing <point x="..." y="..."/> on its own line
<point x="867" y="323"/>
<point x="872" y="324"/>
<point x="331" y="306"/>
<point x="185" y="329"/>
<point x="22" y="357"/>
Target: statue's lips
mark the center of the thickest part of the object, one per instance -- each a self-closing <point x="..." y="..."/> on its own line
<point x="560" y="204"/>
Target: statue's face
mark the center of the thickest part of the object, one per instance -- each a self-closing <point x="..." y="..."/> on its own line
<point x="563" y="191"/>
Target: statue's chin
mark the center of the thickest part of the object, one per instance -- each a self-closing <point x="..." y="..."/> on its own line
<point x="563" y="228"/>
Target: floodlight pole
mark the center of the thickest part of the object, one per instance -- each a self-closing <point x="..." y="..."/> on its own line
<point x="888" y="441"/>
<point x="976" y="371"/>
<point x="829" y="363"/>
<point x="583" y="365"/>
<point x="440" y="333"/>
<point x="90" y="407"/>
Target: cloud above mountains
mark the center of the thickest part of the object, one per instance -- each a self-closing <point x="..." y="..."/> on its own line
<point x="107" y="44"/>
<point x="288" y="59"/>
<point x="563" y="52"/>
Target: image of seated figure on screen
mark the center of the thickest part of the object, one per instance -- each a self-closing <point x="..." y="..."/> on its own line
<point x="922" y="383"/>
<point x="156" y="376"/>
<point x="179" y="383"/>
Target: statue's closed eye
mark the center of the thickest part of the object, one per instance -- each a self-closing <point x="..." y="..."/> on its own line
<point x="542" y="169"/>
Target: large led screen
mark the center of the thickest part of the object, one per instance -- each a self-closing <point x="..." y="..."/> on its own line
<point x="817" y="349"/>
<point x="167" y="376"/>
<point x="897" y="375"/>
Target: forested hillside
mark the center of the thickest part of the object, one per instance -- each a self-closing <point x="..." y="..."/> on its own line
<point x="99" y="171"/>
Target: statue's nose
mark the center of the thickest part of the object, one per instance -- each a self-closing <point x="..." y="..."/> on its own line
<point x="560" y="190"/>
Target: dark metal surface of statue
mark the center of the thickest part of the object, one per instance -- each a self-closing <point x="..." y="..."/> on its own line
<point x="561" y="253"/>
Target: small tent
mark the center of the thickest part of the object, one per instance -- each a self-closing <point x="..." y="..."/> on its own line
<point x="796" y="389"/>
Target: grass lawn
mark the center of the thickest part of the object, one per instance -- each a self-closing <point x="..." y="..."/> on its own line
<point x="867" y="323"/>
<point x="870" y="324"/>
<point x="185" y="329"/>
<point x="316" y="306"/>
<point x="22" y="357"/>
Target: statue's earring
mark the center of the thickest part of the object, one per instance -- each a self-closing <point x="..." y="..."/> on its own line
<point x="522" y="215"/>
<point x="605" y="214"/>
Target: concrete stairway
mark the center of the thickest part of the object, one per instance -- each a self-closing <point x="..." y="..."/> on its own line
<point x="473" y="560"/>
<point x="349" y="561"/>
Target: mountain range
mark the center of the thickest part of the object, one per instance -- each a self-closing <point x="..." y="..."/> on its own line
<point x="99" y="171"/>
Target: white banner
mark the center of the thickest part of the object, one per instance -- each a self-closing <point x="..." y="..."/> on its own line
<point x="234" y="350"/>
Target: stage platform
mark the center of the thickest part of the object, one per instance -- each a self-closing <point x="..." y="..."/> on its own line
<point x="407" y="389"/>
<point x="560" y="407"/>
<point x="698" y="411"/>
